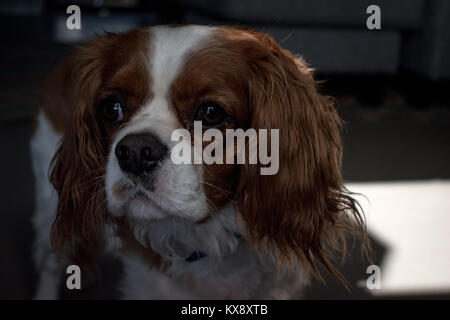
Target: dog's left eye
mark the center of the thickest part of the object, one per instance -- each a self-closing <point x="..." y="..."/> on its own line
<point x="112" y="110"/>
<point x="211" y="114"/>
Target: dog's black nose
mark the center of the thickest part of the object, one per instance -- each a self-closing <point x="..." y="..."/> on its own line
<point x="139" y="153"/>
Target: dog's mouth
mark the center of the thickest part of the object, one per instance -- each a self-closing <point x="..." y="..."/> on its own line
<point x="143" y="193"/>
<point x="162" y="193"/>
<point x="145" y="181"/>
<point x="138" y="195"/>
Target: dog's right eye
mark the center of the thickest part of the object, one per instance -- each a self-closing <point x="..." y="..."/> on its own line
<point x="111" y="110"/>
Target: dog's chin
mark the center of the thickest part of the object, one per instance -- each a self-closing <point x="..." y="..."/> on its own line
<point x="142" y="207"/>
<point x="126" y="199"/>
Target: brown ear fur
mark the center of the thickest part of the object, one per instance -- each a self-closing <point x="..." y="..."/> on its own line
<point x="78" y="166"/>
<point x="303" y="211"/>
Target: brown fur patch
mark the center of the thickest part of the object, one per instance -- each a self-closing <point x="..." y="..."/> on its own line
<point x="303" y="211"/>
<point x="112" y="65"/>
<point x="118" y="190"/>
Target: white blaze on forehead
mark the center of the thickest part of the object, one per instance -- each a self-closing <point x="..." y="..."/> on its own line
<point x="168" y="49"/>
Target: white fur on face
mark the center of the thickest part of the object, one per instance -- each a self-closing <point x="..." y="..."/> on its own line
<point x="177" y="189"/>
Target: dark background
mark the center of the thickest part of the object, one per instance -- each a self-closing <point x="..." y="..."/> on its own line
<point x="391" y="87"/>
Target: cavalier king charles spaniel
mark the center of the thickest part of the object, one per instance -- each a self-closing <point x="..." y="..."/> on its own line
<point x="105" y="179"/>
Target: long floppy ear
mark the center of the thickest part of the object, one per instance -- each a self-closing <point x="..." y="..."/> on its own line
<point x="78" y="165"/>
<point x="304" y="210"/>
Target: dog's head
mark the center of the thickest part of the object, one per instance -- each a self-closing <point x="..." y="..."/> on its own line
<point x="130" y="92"/>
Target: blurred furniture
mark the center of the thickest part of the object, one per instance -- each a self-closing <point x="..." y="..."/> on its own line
<point x="332" y="35"/>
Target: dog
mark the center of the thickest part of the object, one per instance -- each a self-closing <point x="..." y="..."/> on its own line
<point x="101" y="155"/>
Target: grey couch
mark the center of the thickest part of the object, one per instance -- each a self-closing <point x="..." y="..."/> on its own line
<point x="333" y="37"/>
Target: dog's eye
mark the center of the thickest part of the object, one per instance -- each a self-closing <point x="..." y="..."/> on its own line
<point x="111" y="110"/>
<point x="211" y="114"/>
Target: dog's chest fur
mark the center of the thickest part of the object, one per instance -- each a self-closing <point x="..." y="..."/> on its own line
<point x="229" y="268"/>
